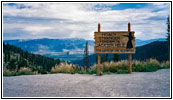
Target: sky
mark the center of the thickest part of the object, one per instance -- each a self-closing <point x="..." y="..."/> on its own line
<point x="80" y="20"/>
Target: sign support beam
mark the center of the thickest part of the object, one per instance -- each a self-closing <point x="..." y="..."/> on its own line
<point x="129" y="55"/>
<point x="98" y="58"/>
<point x="98" y="65"/>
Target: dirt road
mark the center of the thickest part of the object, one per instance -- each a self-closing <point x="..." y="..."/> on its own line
<point x="137" y="84"/>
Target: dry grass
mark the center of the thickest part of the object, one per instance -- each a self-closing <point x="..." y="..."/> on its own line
<point x="165" y="64"/>
<point x="113" y="67"/>
<point x="25" y="71"/>
<point x="65" y="68"/>
<point x="7" y="72"/>
<point x="107" y="67"/>
<point x="137" y="66"/>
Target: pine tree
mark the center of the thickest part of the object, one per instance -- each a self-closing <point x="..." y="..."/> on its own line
<point x="8" y="52"/>
<point x="168" y="34"/>
<point x="116" y="57"/>
<point x="86" y="52"/>
<point x="104" y="58"/>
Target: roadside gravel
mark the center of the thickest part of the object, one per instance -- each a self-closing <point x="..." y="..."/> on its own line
<point x="137" y="84"/>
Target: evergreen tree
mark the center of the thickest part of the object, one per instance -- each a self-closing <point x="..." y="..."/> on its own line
<point x="12" y="64"/>
<point x="96" y="60"/>
<point x="5" y="57"/>
<point x="116" y="57"/>
<point x="22" y="63"/>
<point x="8" y="52"/>
<point x="104" y="58"/>
<point x="168" y="35"/>
<point x="86" y="56"/>
<point x="15" y="58"/>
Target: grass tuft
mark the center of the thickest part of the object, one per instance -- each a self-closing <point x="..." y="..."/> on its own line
<point x="120" y="67"/>
<point x="7" y="72"/>
<point x="25" y="71"/>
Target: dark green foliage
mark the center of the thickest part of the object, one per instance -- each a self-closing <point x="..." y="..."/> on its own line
<point x="86" y="60"/>
<point x="22" y="63"/>
<point x="12" y="64"/>
<point x="42" y="71"/>
<point x="111" y="69"/>
<point x="149" y="68"/>
<point x="15" y="58"/>
<point x="9" y="73"/>
<point x="92" y="72"/>
<point x="137" y="67"/>
<point x="104" y="58"/>
<point x="122" y="71"/>
<point x="168" y="29"/>
<point x="24" y="73"/>
<point x="168" y="35"/>
<point x="158" y="50"/>
<point x="145" y="68"/>
<point x="116" y="57"/>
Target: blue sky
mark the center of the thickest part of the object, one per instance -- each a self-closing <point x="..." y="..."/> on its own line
<point x="79" y="20"/>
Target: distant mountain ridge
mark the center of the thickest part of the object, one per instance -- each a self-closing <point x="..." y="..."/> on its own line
<point x="156" y="50"/>
<point x="144" y="42"/>
<point x="68" y="49"/>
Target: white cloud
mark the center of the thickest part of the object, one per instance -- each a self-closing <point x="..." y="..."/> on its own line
<point x="161" y="5"/>
<point x="37" y="29"/>
<point x="70" y="20"/>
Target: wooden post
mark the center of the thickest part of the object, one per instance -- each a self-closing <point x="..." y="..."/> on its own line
<point x="130" y="64"/>
<point x="98" y="65"/>
<point x="99" y="27"/>
<point x="98" y="58"/>
<point x="129" y="55"/>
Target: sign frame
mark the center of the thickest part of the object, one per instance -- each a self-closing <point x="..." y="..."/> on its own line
<point x="111" y="42"/>
<point x="99" y="34"/>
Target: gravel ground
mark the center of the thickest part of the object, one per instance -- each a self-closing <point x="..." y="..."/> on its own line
<point x="137" y="84"/>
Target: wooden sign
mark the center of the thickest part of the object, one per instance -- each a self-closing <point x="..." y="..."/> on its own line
<point x="114" y="42"/>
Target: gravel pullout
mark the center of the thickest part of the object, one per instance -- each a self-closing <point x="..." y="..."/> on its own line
<point x="137" y="84"/>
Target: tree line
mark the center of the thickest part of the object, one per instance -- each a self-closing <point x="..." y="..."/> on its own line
<point x="15" y="58"/>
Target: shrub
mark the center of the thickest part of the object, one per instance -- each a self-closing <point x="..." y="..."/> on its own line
<point x="122" y="71"/>
<point x="154" y="62"/>
<point x="147" y="66"/>
<point x="151" y="65"/>
<point x="35" y="72"/>
<point x="119" y="67"/>
<point x="7" y="72"/>
<point x="109" y="67"/>
<point x="93" y="70"/>
<point x="165" y="64"/>
<point x="114" y="67"/>
<point x="137" y="66"/>
<point x="123" y="65"/>
<point x="24" y="71"/>
<point x="65" y="68"/>
<point x="42" y="71"/>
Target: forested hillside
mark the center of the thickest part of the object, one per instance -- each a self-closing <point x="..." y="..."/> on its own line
<point x="15" y="58"/>
<point x="157" y="50"/>
<point x="69" y="49"/>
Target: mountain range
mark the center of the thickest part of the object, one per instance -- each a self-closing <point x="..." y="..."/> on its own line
<point x="156" y="50"/>
<point x="65" y="49"/>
